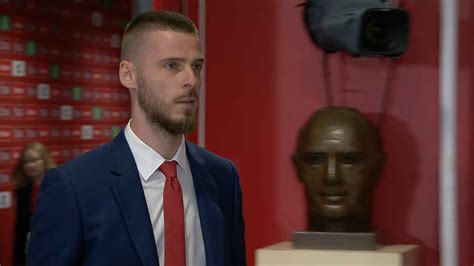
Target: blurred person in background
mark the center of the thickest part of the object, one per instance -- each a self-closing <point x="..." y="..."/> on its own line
<point x="27" y="176"/>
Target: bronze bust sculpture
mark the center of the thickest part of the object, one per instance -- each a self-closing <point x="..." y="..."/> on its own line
<point x="338" y="159"/>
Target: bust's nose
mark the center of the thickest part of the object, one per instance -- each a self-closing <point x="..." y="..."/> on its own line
<point x="332" y="176"/>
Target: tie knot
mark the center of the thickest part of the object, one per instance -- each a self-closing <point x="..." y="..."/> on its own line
<point x="168" y="168"/>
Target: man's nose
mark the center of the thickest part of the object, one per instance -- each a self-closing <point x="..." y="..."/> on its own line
<point x="191" y="78"/>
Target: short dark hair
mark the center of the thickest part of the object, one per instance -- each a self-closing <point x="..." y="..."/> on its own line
<point x="345" y="111"/>
<point x="153" y="20"/>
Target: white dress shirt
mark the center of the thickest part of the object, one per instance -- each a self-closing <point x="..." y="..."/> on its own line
<point x="153" y="181"/>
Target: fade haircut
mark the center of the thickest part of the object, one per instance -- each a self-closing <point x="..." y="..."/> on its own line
<point x="149" y="21"/>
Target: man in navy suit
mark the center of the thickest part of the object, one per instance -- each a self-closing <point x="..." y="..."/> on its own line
<point x="108" y="207"/>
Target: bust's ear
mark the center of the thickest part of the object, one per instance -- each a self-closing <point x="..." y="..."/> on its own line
<point x="379" y="161"/>
<point x="297" y="165"/>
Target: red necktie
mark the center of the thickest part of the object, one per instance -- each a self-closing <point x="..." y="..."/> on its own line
<point x="175" y="251"/>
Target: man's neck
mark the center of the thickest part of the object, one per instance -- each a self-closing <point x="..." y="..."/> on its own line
<point x="158" y="139"/>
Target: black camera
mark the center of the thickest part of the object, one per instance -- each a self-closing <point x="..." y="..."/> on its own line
<point x="357" y="27"/>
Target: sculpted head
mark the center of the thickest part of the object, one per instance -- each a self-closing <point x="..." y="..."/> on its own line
<point x="338" y="159"/>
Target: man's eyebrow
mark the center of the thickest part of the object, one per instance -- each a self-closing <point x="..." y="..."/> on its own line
<point x="200" y="60"/>
<point x="180" y="59"/>
<point x="169" y="59"/>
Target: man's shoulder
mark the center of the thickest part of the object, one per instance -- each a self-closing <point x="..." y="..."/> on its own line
<point x="214" y="163"/>
<point x="206" y="155"/>
<point x="92" y="160"/>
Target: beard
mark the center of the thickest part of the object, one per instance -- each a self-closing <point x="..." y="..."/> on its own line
<point x="157" y="111"/>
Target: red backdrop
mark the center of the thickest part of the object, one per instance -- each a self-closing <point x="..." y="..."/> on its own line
<point x="58" y="83"/>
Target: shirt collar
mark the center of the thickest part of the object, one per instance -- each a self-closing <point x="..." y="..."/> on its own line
<point x="148" y="160"/>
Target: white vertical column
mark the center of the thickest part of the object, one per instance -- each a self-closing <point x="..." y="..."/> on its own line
<point x="447" y="164"/>
<point x="202" y="97"/>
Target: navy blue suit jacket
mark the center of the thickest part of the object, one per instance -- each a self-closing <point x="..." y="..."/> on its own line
<point x="92" y="211"/>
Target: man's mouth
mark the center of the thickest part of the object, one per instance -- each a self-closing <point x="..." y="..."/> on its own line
<point x="187" y="100"/>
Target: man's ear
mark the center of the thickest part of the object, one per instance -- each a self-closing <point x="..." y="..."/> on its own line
<point x="128" y="74"/>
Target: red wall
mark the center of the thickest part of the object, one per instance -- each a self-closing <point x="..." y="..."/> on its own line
<point x="242" y="112"/>
<point x="264" y="78"/>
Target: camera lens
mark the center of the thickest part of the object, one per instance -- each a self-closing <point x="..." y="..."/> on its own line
<point x="384" y="31"/>
<point x="378" y="35"/>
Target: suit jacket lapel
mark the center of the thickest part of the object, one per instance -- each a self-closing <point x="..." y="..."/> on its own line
<point x="129" y="195"/>
<point x="212" y="220"/>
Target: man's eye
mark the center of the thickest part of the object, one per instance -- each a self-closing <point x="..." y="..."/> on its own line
<point x="198" y="67"/>
<point x="171" y="66"/>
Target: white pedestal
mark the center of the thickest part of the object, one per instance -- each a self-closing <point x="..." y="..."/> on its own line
<point x="284" y="254"/>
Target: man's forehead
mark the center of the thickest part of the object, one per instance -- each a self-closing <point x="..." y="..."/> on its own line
<point x="164" y="35"/>
<point x="171" y="40"/>
<point x="166" y="43"/>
